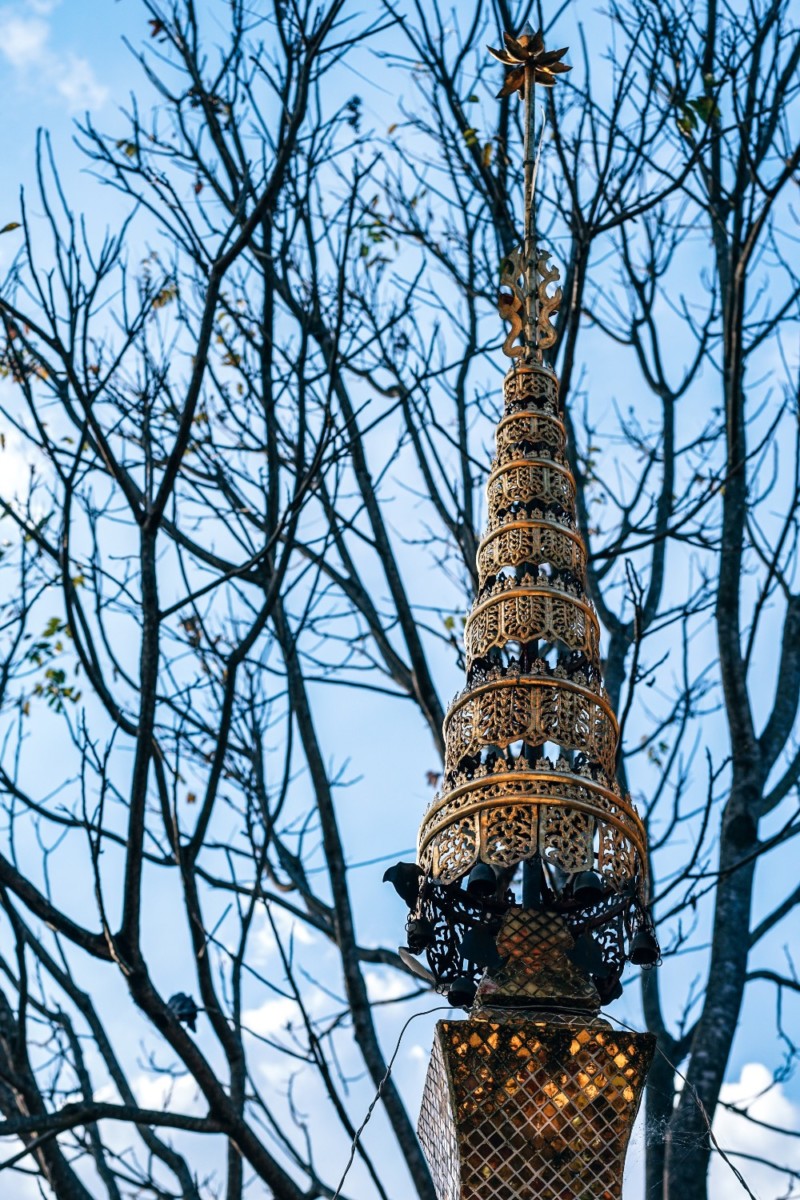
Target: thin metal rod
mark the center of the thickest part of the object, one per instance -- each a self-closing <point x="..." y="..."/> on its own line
<point x="531" y="884"/>
<point x="529" y="246"/>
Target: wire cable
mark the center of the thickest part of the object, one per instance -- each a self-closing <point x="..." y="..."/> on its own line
<point x="354" y="1147"/>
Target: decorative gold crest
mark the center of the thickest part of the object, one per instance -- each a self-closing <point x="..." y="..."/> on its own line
<point x="511" y="302"/>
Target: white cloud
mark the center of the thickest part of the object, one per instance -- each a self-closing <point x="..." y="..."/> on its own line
<point x="766" y="1103"/>
<point x="288" y="927"/>
<point x="76" y="82"/>
<point x="18" y="460"/>
<point x="180" y="1094"/>
<point x="22" y="39"/>
<point x="385" y="986"/>
<point x="272" y="1016"/>
<point x="25" y="46"/>
<point x="735" y="1133"/>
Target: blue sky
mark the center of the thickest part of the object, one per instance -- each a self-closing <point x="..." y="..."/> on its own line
<point x="58" y="59"/>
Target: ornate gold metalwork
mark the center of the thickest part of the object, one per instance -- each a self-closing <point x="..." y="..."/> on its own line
<point x="516" y="280"/>
<point x="529" y="1108"/>
<point x="548" y="304"/>
<point x="527" y="614"/>
<point x="532" y="427"/>
<point x="531" y="743"/>
<point x="514" y="543"/>
<point x="533" y="1096"/>
<point x="521" y="480"/>
<point x="505" y="817"/>
<point x="531" y="389"/>
<point x="511" y="300"/>
<point x="534" y="709"/>
<point x="523" y="300"/>
<point x="520" y="1103"/>
<point x="527" y="51"/>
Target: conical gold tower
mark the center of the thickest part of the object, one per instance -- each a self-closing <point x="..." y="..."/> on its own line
<point x="531" y="742"/>
<point x="533" y="1095"/>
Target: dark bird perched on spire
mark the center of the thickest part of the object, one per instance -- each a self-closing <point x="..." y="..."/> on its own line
<point x="528" y="50"/>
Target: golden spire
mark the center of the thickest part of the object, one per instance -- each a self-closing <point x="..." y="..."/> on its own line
<point x="531" y="742"/>
<point x="533" y="1095"/>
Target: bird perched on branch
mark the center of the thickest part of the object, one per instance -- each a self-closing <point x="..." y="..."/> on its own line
<point x="184" y="1008"/>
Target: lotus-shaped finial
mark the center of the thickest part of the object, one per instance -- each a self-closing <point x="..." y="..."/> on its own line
<point x="528" y="50"/>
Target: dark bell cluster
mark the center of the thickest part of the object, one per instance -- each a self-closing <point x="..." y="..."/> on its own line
<point x="455" y="925"/>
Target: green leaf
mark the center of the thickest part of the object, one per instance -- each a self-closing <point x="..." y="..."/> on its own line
<point x="688" y="122"/>
<point x="11" y="225"/>
<point x="706" y="108"/>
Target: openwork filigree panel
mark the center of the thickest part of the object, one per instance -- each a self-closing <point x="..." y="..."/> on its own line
<point x="532" y="511"/>
<point x="508" y="833"/>
<point x="457" y="848"/>
<point x="518" y="542"/>
<point x="536" y="429"/>
<point x="531" y="614"/>
<point x="536" y="709"/>
<point x="516" y="1109"/>
<point x="566" y="835"/>
<point x="498" y="815"/>
<point x="531" y="387"/>
<point x="616" y="859"/>
<point x="523" y="480"/>
<point x="520" y="451"/>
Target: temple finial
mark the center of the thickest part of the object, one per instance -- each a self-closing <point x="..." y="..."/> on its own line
<point x="531" y="885"/>
<point x="523" y="299"/>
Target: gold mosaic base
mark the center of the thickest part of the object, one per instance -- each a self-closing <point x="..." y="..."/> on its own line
<point x="517" y="1109"/>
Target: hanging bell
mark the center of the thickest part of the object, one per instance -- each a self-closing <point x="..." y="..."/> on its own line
<point x="587" y="954"/>
<point x="482" y="882"/>
<point x="420" y="934"/>
<point x="588" y="888"/>
<point x="461" y="992"/>
<point x="644" y="949"/>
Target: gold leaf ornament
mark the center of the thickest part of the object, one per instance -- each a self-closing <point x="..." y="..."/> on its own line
<point x="528" y="50"/>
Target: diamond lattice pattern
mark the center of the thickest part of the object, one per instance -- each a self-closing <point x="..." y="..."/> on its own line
<point x="522" y="1109"/>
